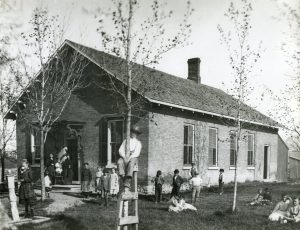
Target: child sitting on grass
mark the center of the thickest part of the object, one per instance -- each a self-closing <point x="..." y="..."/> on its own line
<point x="293" y="213"/>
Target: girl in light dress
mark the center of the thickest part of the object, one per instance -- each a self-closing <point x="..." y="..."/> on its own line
<point x="179" y="204"/>
<point x="114" y="183"/>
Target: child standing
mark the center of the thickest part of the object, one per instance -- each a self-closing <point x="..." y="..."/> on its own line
<point x="114" y="183"/>
<point x="26" y="192"/>
<point x="158" y="183"/>
<point x="221" y="183"/>
<point x="86" y="178"/>
<point x="193" y="171"/>
<point x="48" y="184"/>
<point x="196" y="182"/>
<point x="106" y="185"/>
<point x="98" y="184"/>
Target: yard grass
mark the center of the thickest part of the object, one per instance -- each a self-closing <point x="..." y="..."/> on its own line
<point x="212" y="213"/>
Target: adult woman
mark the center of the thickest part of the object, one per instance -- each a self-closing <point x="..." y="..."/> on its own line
<point x="281" y="208"/>
<point x="51" y="168"/>
<point x="26" y="192"/>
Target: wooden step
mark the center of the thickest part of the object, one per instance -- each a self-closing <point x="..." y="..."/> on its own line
<point x="127" y="220"/>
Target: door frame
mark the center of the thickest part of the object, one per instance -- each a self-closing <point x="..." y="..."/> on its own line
<point x="78" y="159"/>
<point x="268" y="163"/>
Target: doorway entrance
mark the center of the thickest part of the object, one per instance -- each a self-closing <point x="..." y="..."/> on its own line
<point x="266" y="161"/>
<point x="72" y="145"/>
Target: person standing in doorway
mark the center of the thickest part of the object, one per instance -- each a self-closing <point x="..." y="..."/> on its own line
<point x="126" y="162"/>
<point x="67" y="170"/>
<point x="50" y="164"/>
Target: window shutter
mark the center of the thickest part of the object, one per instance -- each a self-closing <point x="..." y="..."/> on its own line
<point x="103" y="142"/>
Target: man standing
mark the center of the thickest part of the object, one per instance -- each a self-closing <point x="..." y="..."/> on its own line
<point x="196" y="184"/>
<point x="67" y="170"/>
<point x="177" y="182"/>
<point x="126" y="162"/>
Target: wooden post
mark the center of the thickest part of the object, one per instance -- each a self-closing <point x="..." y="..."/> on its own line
<point x="135" y="170"/>
<point x="13" y="197"/>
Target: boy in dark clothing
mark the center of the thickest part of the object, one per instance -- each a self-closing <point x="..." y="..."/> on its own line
<point x="177" y="182"/>
<point x="86" y="178"/>
<point x="106" y="185"/>
<point x="158" y="183"/>
<point x="221" y="183"/>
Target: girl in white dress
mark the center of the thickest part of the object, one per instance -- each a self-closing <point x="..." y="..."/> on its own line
<point x="114" y="183"/>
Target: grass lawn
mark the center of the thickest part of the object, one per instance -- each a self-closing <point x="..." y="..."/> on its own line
<point x="212" y="213"/>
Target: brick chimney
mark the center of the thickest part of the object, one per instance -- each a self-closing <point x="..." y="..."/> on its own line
<point x="194" y="70"/>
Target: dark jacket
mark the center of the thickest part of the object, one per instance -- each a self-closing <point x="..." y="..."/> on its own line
<point x="86" y="175"/>
<point x="159" y="180"/>
<point x="26" y="189"/>
<point x="178" y="181"/>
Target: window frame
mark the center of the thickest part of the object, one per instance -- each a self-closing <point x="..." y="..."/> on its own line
<point x="109" y="149"/>
<point x="253" y="150"/>
<point x="34" y="136"/>
<point x="235" y="155"/>
<point x="192" y="145"/>
<point x="216" y="147"/>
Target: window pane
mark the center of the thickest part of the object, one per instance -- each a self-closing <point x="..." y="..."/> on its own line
<point x="232" y="157"/>
<point x="185" y="138"/>
<point x="212" y="147"/>
<point x="190" y="159"/>
<point x="190" y="135"/>
<point x="185" y="154"/>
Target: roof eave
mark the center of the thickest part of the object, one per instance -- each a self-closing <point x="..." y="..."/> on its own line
<point x="208" y="113"/>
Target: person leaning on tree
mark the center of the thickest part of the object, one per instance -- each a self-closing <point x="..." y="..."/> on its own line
<point x="126" y="163"/>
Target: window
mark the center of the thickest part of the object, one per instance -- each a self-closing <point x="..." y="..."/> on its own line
<point x="35" y="146"/>
<point x="213" y="140"/>
<point x="114" y="140"/>
<point x="188" y="144"/>
<point x="250" y="149"/>
<point x="233" y="148"/>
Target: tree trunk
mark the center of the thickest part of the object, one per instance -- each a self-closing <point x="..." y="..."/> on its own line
<point x="2" y="152"/>
<point x="236" y="161"/>
<point x="42" y="165"/>
<point x="129" y="82"/>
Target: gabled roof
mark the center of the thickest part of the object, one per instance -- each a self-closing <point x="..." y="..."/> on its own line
<point x="164" y="88"/>
<point x="167" y="89"/>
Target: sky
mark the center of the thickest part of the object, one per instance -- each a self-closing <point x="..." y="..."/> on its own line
<point x="268" y="27"/>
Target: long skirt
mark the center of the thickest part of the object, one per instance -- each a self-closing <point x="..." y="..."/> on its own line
<point x="85" y="186"/>
<point x="26" y="194"/>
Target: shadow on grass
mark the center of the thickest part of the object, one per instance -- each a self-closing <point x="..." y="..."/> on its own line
<point x="58" y="222"/>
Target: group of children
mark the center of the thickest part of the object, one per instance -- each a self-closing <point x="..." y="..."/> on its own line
<point x="106" y="182"/>
<point x="286" y="210"/>
<point x="263" y="197"/>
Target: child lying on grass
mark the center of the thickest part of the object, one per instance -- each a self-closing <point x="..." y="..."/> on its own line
<point x="178" y="205"/>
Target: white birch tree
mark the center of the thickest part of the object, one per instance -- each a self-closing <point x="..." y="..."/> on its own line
<point x="242" y="59"/>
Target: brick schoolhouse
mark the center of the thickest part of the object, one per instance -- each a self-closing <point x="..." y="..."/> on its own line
<point x="182" y="121"/>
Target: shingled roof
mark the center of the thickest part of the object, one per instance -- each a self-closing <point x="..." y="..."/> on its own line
<point x="164" y="88"/>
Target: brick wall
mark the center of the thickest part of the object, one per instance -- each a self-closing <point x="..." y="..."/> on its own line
<point x="166" y="149"/>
